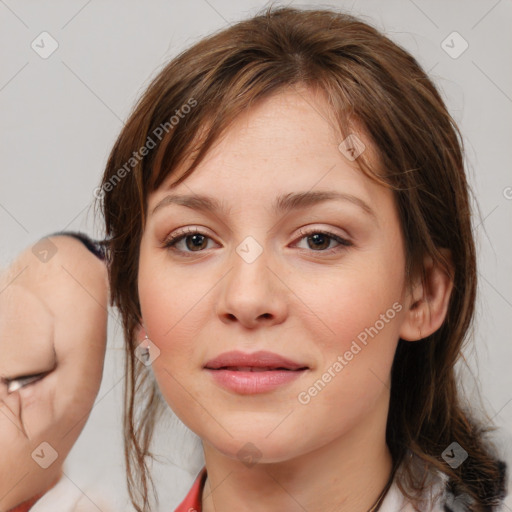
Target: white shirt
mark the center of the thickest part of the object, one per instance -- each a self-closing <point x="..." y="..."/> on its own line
<point x="65" y="496"/>
<point x="395" y="501"/>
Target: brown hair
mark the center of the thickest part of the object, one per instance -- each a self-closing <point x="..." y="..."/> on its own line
<point x="369" y="80"/>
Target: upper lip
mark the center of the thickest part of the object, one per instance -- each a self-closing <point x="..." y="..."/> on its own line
<point x="261" y="359"/>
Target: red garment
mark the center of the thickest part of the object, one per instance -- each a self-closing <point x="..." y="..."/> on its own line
<point x="27" y="505"/>
<point x="192" y="503"/>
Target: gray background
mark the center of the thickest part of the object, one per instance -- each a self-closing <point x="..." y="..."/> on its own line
<point x="61" y="115"/>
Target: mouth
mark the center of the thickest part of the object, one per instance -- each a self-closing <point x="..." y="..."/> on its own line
<point x="257" y="368"/>
<point x="257" y="361"/>
<point x="254" y="373"/>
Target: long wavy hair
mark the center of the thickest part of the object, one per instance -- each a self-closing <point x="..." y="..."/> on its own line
<point x="369" y="80"/>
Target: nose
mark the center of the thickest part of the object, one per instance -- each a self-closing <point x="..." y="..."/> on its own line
<point x="252" y="293"/>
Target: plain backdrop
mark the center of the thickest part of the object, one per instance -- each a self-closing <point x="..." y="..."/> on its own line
<point x="60" y="116"/>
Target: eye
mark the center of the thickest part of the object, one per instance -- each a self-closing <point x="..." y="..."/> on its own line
<point x="195" y="241"/>
<point x="20" y="382"/>
<point x="321" y="240"/>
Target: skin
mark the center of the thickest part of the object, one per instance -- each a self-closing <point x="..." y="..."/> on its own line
<point x="53" y="319"/>
<point x="300" y="301"/>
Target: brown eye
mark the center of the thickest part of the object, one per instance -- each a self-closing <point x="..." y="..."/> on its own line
<point x="320" y="241"/>
<point x="194" y="241"/>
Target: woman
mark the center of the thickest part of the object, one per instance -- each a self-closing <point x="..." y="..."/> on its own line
<point x="311" y="341"/>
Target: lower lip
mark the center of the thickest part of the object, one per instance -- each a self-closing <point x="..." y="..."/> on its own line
<point x="251" y="383"/>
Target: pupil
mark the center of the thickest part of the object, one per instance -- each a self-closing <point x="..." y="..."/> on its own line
<point x="195" y="238"/>
<point x="198" y="241"/>
<point x="318" y="237"/>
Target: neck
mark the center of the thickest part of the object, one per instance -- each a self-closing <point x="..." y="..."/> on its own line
<point x="346" y="475"/>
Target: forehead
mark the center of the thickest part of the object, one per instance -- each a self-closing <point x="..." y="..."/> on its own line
<point x="287" y="141"/>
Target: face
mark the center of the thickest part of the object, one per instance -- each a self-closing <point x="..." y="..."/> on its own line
<point x="52" y="340"/>
<point x="276" y="319"/>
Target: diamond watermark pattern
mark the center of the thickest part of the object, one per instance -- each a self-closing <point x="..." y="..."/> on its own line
<point x="352" y="147"/>
<point x="249" y="455"/>
<point x="454" y="455"/>
<point x="146" y="352"/>
<point x="249" y="249"/>
<point x="44" y="250"/>
<point x="454" y="45"/>
<point x="45" y="455"/>
<point x="44" y="45"/>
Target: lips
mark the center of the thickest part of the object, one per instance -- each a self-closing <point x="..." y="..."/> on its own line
<point x="251" y="368"/>
<point x="254" y="373"/>
<point x="255" y="362"/>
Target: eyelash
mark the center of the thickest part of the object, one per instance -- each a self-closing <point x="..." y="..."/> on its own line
<point x="171" y="241"/>
<point x="32" y="379"/>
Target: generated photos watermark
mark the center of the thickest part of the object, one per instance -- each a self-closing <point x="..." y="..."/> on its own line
<point x="151" y="143"/>
<point x="305" y="397"/>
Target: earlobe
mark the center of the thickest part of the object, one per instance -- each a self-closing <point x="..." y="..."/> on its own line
<point x="140" y="332"/>
<point x="428" y="300"/>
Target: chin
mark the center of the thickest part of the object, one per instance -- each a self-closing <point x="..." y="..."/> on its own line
<point x="250" y="446"/>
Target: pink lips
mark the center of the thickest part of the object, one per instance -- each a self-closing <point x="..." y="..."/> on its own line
<point x="258" y="372"/>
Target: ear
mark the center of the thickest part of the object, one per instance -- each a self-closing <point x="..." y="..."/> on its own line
<point x="140" y="333"/>
<point x="427" y="302"/>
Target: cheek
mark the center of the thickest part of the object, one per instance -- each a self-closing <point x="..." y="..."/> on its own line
<point x="170" y="304"/>
<point x="38" y="407"/>
<point x="361" y="308"/>
<point x="350" y="303"/>
<point x="12" y="438"/>
<point x="78" y="384"/>
<point x="355" y="359"/>
<point x="171" y="298"/>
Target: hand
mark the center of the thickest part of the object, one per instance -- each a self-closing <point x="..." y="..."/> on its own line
<point x="53" y="319"/>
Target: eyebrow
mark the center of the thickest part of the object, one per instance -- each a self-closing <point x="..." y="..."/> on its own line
<point x="283" y="204"/>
